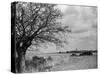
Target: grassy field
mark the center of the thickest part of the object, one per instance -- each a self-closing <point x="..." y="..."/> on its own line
<point x="66" y="62"/>
<point x="72" y="63"/>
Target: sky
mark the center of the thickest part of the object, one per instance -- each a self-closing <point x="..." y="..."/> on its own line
<point x="82" y="20"/>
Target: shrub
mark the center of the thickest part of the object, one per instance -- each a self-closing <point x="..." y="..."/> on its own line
<point x="73" y="54"/>
<point x="86" y="53"/>
<point x="38" y="61"/>
<point x="49" y="58"/>
<point x="38" y="64"/>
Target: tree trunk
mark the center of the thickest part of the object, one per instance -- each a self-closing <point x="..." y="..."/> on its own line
<point x="21" y="62"/>
<point x="21" y="51"/>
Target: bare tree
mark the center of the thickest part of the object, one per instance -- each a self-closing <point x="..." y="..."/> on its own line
<point x="36" y="23"/>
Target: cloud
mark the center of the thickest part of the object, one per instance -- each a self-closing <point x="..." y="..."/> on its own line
<point x="83" y="22"/>
<point x="79" y="17"/>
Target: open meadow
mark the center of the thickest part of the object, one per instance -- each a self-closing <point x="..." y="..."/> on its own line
<point x="58" y="62"/>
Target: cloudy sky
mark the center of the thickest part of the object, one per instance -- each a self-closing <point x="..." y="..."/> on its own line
<point x="82" y="20"/>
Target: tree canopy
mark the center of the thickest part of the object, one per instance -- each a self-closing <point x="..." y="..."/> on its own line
<point x="38" y="23"/>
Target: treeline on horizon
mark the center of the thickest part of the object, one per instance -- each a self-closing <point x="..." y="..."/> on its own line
<point x="79" y="51"/>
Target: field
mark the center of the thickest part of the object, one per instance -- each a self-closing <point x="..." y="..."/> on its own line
<point x="62" y="62"/>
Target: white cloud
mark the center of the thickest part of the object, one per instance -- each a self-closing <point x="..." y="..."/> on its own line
<point x="83" y="23"/>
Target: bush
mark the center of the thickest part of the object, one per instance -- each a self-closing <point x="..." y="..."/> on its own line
<point x="38" y="61"/>
<point x="73" y="54"/>
<point x="28" y="64"/>
<point x="38" y="64"/>
<point x="49" y="58"/>
<point x="86" y="53"/>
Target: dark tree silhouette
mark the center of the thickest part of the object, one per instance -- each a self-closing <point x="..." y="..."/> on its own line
<point x="36" y="23"/>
